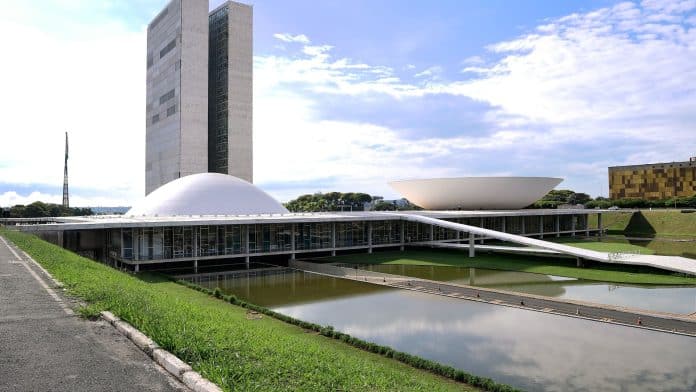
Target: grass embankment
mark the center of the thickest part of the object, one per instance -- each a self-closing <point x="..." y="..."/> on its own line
<point x="648" y="223"/>
<point x="221" y="341"/>
<point x="558" y="267"/>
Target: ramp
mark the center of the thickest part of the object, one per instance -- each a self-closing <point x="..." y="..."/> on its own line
<point x="670" y="263"/>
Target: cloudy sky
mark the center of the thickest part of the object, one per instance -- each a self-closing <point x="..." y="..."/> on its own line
<point x="350" y="95"/>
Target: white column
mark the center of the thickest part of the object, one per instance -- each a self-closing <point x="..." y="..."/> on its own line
<point x="333" y="239"/>
<point x="524" y="227"/>
<point x="137" y="268"/>
<point x="572" y="225"/>
<point x="403" y="233"/>
<point x="472" y="250"/>
<point x="558" y="225"/>
<point x="599" y="224"/>
<point x="504" y="225"/>
<point x="369" y="237"/>
<point x="541" y="226"/>
<point x="195" y="266"/>
<point x="246" y="245"/>
<point x="482" y="223"/>
<point x="587" y="225"/>
<point x="292" y="241"/>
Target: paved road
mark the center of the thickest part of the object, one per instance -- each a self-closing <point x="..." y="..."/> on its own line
<point x="46" y="347"/>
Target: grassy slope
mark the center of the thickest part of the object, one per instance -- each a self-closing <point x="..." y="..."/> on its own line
<point x="660" y="223"/>
<point x="559" y="267"/>
<point x="663" y="223"/>
<point x="219" y="341"/>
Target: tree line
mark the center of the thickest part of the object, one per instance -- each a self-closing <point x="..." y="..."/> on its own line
<point x="350" y="201"/>
<point x="40" y="209"/>
<point x="556" y="198"/>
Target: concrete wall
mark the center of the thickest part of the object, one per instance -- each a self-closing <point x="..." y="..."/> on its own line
<point x="194" y="87"/>
<point x="176" y="128"/>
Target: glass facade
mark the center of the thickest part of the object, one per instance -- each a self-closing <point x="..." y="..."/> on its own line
<point x="218" y="65"/>
<point x="173" y="243"/>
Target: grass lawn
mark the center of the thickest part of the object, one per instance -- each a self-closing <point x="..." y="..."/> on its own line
<point x="604" y="246"/>
<point x="549" y="266"/>
<point x="219" y="340"/>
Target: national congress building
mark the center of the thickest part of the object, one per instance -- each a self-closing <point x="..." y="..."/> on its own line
<point x="199" y="92"/>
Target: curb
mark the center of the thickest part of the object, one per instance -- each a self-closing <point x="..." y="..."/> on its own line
<point x="170" y="362"/>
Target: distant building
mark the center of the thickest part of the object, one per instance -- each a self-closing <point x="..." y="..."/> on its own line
<point x="653" y="181"/>
<point x="199" y="92"/>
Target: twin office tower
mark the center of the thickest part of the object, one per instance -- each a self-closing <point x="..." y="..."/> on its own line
<point x="199" y="92"/>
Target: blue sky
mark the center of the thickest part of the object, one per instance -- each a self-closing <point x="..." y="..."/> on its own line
<point x="348" y="96"/>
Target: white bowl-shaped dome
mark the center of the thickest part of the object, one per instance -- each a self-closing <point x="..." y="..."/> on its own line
<point x="475" y="193"/>
<point x="207" y="194"/>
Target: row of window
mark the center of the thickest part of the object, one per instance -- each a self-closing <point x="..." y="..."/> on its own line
<point x="170" y="111"/>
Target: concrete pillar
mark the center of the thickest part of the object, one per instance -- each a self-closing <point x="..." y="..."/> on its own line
<point x="587" y="225"/>
<point x="432" y="233"/>
<point x="246" y="245"/>
<point x="572" y="225"/>
<point x="195" y="266"/>
<point x="472" y="250"/>
<point x="137" y="268"/>
<point x="472" y="276"/>
<point x="194" y="230"/>
<point x="403" y="233"/>
<point x="579" y="262"/>
<point x="558" y="225"/>
<point x="541" y="226"/>
<point x="482" y="226"/>
<point x="524" y="226"/>
<point x="369" y="237"/>
<point x="333" y="239"/>
<point x="293" y="230"/>
<point x="599" y="225"/>
<point x="504" y="225"/>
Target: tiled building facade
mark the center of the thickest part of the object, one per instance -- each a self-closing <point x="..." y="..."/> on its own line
<point x="653" y="181"/>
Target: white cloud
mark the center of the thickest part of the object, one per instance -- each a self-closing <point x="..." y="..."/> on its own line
<point x="589" y="74"/>
<point x="431" y="72"/>
<point x="285" y="37"/>
<point x="475" y="60"/>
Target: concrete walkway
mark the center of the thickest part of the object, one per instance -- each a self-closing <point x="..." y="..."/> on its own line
<point x="44" y="346"/>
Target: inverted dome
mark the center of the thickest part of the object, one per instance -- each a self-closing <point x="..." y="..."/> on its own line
<point x="207" y="194"/>
<point x="475" y="193"/>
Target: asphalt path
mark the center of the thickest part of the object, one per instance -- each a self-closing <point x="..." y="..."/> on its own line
<point x="44" y="346"/>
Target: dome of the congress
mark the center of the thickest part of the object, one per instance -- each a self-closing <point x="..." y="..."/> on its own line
<point x="207" y="194"/>
<point x="475" y="193"/>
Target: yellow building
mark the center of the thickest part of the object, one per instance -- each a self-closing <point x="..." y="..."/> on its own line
<point x="653" y="181"/>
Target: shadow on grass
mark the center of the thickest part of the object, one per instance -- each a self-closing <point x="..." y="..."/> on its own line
<point x="640" y="225"/>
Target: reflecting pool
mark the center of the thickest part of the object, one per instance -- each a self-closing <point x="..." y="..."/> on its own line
<point x="530" y="350"/>
<point x="671" y="299"/>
